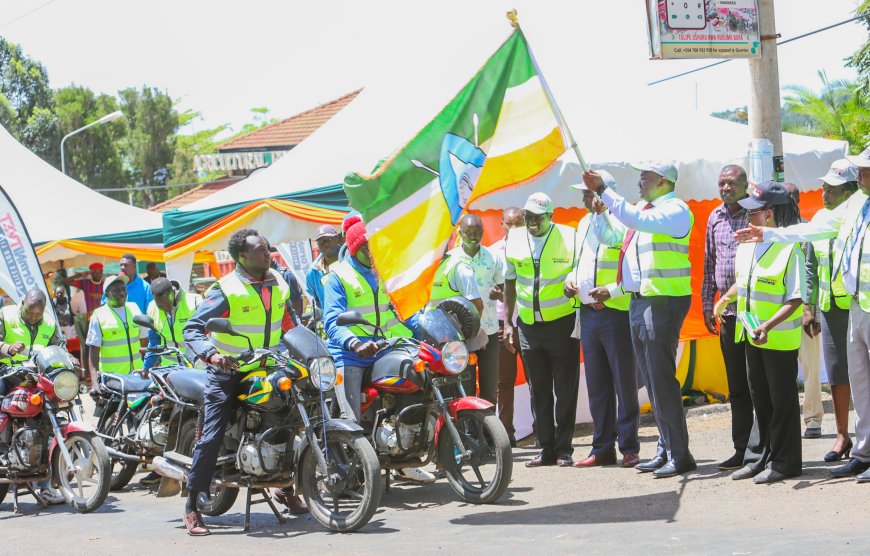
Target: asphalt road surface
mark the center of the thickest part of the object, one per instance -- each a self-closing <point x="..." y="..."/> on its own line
<point x="545" y="511"/>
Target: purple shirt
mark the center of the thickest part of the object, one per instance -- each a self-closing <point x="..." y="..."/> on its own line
<point x="720" y="250"/>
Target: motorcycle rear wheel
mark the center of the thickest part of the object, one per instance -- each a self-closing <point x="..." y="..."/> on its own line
<point x="486" y="437"/>
<point x="91" y="465"/>
<point x="355" y="455"/>
<point x="221" y="498"/>
<point x="122" y="471"/>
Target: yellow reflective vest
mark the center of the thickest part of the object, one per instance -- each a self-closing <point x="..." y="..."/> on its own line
<point x="373" y="305"/>
<point x="119" y="350"/>
<point x="606" y="263"/>
<point x="17" y="331"/>
<point x="828" y="289"/>
<point x="186" y="305"/>
<point x="664" y="261"/>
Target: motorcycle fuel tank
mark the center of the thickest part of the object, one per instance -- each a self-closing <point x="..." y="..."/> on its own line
<point x="17" y="403"/>
<point x="394" y="372"/>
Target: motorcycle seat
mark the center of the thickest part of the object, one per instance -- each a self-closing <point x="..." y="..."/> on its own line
<point x="125" y="383"/>
<point x="190" y="385"/>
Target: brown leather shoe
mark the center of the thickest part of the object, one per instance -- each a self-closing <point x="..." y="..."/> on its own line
<point x="195" y="525"/>
<point x="630" y="460"/>
<point x="597" y="460"/>
<point x="294" y="503"/>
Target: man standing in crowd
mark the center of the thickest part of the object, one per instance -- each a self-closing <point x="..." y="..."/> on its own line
<point x="63" y="310"/>
<point x="539" y="258"/>
<point x="152" y="273"/>
<point x="138" y="290"/>
<point x="113" y="337"/>
<point x="170" y="310"/>
<point x="489" y="278"/>
<point x="511" y="217"/>
<point x="253" y="294"/>
<point x="611" y="373"/>
<point x="848" y="223"/>
<point x="92" y="286"/>
<point x="329" y="242"/>
<point x="720" y="250"/>
<point x="654" y="267"/>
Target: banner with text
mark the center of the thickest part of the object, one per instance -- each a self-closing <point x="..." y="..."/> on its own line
<point x="19" y="267"/>
<point x="703" y="29"/>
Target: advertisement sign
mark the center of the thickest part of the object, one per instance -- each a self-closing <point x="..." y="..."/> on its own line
<point x="19" y="267"/>
<point x="703" y="29"/>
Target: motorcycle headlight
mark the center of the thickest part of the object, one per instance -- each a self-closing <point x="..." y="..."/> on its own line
<point x="454" y="355"/>
<point x="322" y="373"/>
<point x="66" y="385"/>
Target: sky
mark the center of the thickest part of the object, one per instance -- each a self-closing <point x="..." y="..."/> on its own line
<point x="223" y="58"/>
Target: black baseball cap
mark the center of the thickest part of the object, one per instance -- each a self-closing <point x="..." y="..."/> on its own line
<point x="765" y="195"/>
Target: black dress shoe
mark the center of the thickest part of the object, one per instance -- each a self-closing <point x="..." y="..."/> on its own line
<point x="539" y="461"/>
<point x="732" y="463"/>
<point x="651" y="465"/>
<point x="854" y="467"/>
<point x="674" y="468"/>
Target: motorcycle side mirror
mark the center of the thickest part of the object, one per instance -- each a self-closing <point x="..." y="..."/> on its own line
<point x="221" y="326"/>
<point x="350" y="318"/>
<point x="144" y="321"/>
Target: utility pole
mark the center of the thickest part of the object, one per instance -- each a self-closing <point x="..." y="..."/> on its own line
<point x="765" y="117"/>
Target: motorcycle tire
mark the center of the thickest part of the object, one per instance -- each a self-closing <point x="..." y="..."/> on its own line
<point x="122" y="471"/>
<point x="309" y="478"/>
<point x="222" y="498"/>
<point x="465" y="313"/>
<point x="4" y="488"/>
<point x="99" y="462"/>
<point x="495" y="434"/>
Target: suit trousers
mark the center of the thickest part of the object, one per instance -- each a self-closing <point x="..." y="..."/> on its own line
<point x="507" y="380"/>
<point x="810" y="357"/>
<point x="552" y="361"/>
<point x="773" y="383"/>
<point x="487" y="371"/>
<point x="611" y="379"/>
<point x="742" y="414"/>
<point x="859" y="378"/>
<point x="655" y="333"/>
<point x="220" y="393"/>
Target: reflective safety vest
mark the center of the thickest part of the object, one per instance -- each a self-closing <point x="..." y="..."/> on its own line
<point x="606" y="264"/>
<point x="186" y="305"/>
<point x="119" y="350"/>
<point x="851" y="220"/>
<point x="664" y="261"/>
<point x="542" y="280"/>
<point x="373" y="305"/>
<point x="824" y="250"/>
<point x="761" y="291"/>
<point x="17" y="331"/>
<point x="260" y="324"/>
<point x="441" y="288"/>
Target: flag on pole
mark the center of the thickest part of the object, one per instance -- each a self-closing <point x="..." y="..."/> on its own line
<point x="502" y="129"/>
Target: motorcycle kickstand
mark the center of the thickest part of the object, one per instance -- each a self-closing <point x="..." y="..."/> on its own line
<point x="387" y="478"/>
<point x="15" y="508"/>
<point x="42" y="502"/>
<point x="264" y="492"/>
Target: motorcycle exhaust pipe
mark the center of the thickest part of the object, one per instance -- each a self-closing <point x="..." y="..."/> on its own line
<point x="163" y="467"/>
<point x="115" y="454"/>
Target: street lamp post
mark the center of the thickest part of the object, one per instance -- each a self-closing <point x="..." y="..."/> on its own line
<point x="107" y="118"/>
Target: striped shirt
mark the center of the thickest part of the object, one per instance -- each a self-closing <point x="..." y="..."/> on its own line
<point x="93" y="294"/>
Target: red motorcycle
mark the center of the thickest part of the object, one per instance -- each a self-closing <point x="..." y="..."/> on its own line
<point x="39" y="409"/>
<point x="414" y="409"/>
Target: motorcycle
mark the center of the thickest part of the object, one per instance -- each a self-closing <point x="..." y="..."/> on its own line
<point x="278" y="435"/>
<point x="412" y="417"/>
<point x="43" y="438"/>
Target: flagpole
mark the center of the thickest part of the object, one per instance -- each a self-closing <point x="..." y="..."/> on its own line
<point x="563" y="125"/>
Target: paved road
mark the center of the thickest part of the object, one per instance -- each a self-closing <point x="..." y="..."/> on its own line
<point x="546" y="511"/>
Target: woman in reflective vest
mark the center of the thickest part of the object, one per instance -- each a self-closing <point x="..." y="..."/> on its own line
<point x="769" y="288"/>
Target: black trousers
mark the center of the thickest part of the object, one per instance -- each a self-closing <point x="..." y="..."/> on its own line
<point x="487" y="371"/>
<point x="220" y="392"/>
<point x="742" y="414"/>
<point x="552" y="363"/>
<point x="773" y="384"/>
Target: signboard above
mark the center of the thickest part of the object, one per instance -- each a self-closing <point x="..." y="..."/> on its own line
<point x="703" y="29"/>
<point x="228" y="162"/>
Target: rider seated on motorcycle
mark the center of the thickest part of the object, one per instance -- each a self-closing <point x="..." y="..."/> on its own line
<point x="251" y="294"/>
<point x="352" y="285"/>
<point x="24" y="329"/>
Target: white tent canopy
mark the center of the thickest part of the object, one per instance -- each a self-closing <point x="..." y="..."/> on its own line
<point x="56" y="207"/>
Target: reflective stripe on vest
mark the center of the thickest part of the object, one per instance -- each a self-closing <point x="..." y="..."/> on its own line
<point x="249" y="317"/>
<point x="374" y="306"/>
<point x="174" y="336"/>
<point x="119" y="349"/>
<point x="17" y="331"/>
<point x="761" y="290"/>
<point x="664" y="261"/>
<point x="824" y="250"/>
<point x="606" y="264"/>
<point x="545" y="280"/>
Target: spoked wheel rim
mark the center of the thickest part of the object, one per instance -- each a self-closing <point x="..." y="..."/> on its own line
<point x="342" y="492"/>
<point x="83" y="481"/>
<point x="125" y="431"/>
<point x="477" y="472"/>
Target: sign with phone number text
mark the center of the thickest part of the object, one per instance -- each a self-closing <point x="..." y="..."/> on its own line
<point x="703" y="29"/>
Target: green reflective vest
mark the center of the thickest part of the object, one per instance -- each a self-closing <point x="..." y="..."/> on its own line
<point x="761" y="290"/>
<point x="606" y="263"/>
<point x="851" y="220"/>
<point x="186" y="305"/>
<point x="441" y="288"/>
<point x="664" y="261"/>
<point x="17" y="331"/>
<point x="542" y="280"/>
<point x="373" y="305"/>
<point x="260" y="324"/>
<point x="824" y="250"/>
<point x="119" y="350"/>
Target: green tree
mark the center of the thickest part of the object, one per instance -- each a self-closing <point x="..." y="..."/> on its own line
<point x="187" y="146"/>
<point x="838" y="111"/>
<point x="860" y="60"/>
<point x="149" y="147"/>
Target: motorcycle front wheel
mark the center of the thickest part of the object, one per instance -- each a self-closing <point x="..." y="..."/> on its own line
<point x="220" y="499"/>
<point x="483" y="477"/>
<point x="85" y="484"/>
<point x="351" y="499"/>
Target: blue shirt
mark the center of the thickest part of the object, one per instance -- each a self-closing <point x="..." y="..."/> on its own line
<point x="138" y="292"/>
<point x="341" y="337"/>
<point x="314" y="280"/>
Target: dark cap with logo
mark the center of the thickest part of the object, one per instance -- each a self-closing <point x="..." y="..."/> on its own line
<point x="766" y="194"/>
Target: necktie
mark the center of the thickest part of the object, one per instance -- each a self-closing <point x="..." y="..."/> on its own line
<point x="852" y="242"/>
<point x="629" y="234"/>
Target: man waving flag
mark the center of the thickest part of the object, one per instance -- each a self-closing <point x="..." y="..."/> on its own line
<point x="502" y="129"/>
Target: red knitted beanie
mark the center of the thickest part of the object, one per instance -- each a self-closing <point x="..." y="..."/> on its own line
<point x="355" y="236"/>
<point x="350" y="221"/>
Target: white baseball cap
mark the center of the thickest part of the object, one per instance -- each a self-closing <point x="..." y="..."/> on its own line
<point x="609" y="182"/>
<point x="861" y="160"/>
<point x="665" y="168"/>
<point x="842" y="171"/>
<point x="539" y="203"/>
<point x="112" y="279"/>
